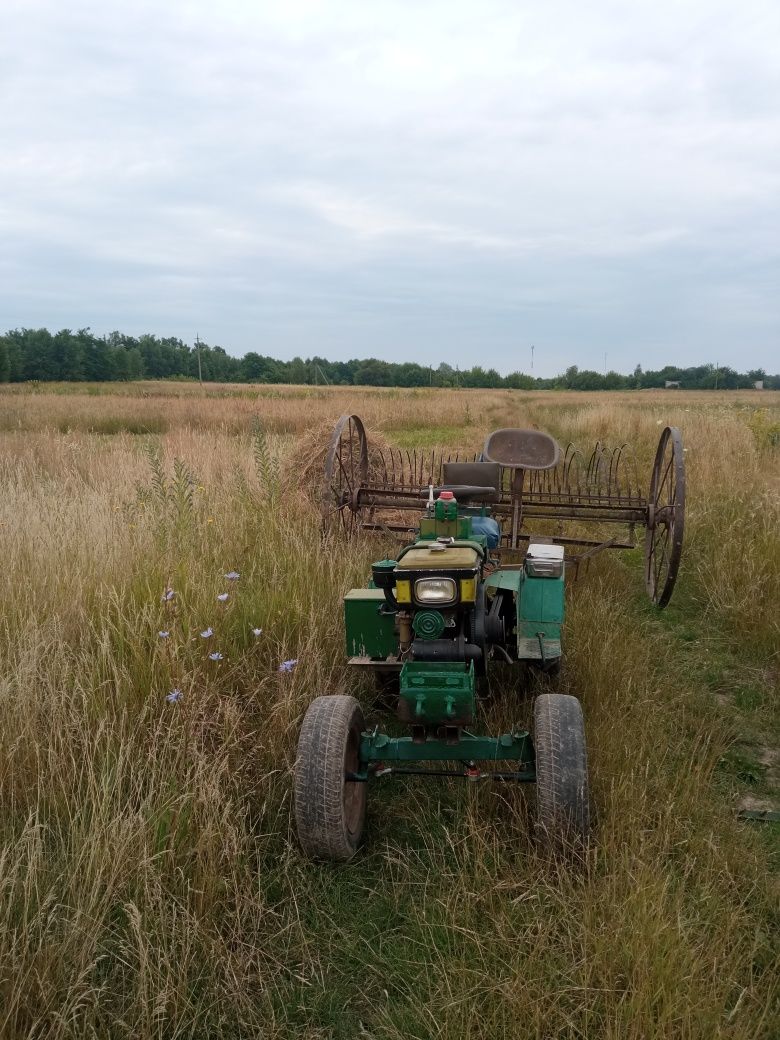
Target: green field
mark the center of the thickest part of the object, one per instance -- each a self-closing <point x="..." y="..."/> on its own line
<point x="150" y="882"/>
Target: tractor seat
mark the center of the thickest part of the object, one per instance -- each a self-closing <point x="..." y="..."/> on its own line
<point x="472" y="481"/>
<point x="522" y="449"/>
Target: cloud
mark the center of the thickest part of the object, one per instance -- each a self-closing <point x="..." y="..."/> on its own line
<point x="398" y="177"/>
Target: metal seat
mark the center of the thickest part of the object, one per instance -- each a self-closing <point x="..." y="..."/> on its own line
<point x="522" y="449"/>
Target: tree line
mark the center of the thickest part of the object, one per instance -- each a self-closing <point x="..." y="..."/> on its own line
<point x="37" y="354"/>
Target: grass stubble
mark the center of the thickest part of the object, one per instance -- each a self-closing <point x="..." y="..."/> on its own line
<point x="150" y="884"/>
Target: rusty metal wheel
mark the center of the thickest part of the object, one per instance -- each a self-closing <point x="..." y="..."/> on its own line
<point x="665" y="517"/>
<point x="346" y="471"/>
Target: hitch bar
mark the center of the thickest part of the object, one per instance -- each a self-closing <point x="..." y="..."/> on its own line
<point x="524" y="776"/>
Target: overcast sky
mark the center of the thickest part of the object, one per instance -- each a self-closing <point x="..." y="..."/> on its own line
<point x="408" y="180"/>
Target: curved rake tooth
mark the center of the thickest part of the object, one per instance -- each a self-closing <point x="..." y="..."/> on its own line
<point x="566" y="474"/>
<point x="614" y="487"/>
<point x="580" y="465"/>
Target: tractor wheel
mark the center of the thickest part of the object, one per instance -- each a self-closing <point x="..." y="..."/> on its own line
<point x="563" y="812"/>
<point x="329" y="809"/>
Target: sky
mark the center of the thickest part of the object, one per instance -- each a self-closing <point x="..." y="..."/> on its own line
<point x="429" y="181"/>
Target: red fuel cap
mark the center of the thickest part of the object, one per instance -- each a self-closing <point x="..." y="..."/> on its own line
<point x="446" y="495"/>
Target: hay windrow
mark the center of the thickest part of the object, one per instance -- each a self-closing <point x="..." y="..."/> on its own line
<point x="305" y="464"/>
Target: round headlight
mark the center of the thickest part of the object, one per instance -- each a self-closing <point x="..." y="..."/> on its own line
<point x="440" y="591"/>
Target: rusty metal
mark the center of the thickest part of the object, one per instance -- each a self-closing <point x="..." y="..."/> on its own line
<point x="346" y="472"/>
<point x="373" y="490"/>
<point x="665" y="517"/>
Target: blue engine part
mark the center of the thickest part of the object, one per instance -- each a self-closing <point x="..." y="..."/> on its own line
<point x="487" y="526"/>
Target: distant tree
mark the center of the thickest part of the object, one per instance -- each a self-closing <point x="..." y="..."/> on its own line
<point x="519" y="381"/>
<point x="446" y="375"/>
<point x="297" y="371"/>
<point x="69" y="355"/>
<point x="5" y="360"/>
<point x="38" y="355"/>
<point x="135" y="363"/>
<point x="257" y="369"/>
<point x="372" y="373"/>
<point x="120" y="363"/>
<point x="614" y="381"/>
<point x="570" y="376"/>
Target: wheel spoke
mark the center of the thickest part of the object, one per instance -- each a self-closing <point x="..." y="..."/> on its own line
<point x="344" y="471"/>
<point x="659" y="492"/>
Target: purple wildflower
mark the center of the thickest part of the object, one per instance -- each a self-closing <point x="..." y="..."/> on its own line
<point x="257" y="632"/>
<point x="167" y="596"/>
<point x="232" y="576"/>
<point x="287" y="666"/>
<point x="206" y="633"/>
<point x="163" y="634"/>
<point x="216" y="656"/>
<point x="174" y="696"/>
<point x="223" y="596"/>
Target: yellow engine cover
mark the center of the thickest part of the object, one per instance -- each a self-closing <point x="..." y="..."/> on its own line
<point x="455" y="557"/>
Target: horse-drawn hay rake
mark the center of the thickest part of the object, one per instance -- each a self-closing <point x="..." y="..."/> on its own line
<point x="481" y="579"/>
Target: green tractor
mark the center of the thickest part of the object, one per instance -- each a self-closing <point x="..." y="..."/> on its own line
<point x="472" y="586"/>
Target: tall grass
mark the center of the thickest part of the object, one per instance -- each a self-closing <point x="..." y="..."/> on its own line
<point x="150" y="884"/>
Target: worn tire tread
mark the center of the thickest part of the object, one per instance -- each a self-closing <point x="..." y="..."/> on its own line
<point x="319" y="779"/>
<point x="562" y="795"/>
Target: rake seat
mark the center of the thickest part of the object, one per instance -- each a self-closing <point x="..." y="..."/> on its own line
<point x="522" y="449"/>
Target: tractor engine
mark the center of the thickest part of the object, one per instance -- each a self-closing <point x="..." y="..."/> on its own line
<point x="435" y="596"/>
<point x="441" y="609"/>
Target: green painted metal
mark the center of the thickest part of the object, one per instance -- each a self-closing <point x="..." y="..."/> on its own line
<point x="536" y="649"/>
<point x="460" y="530"/>
<point x="369" y="627"/>
<point x="539" y="618"/>
<point x="428" y="624"/>
<point x="505" y="579"/>
<point x="514" y="747"/>
<point x="445" y="509"/>
<point x="437" y="692"/>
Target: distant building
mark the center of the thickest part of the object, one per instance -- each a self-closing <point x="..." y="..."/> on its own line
<point x="759" y="384"/>
<point x="672" y="384"/>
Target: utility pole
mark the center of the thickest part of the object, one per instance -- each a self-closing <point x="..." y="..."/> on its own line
<point x="200" y="370"/>
<point x="605" y="362"/>
<point x="716" y="375"/>
<point x="532" y="356"/>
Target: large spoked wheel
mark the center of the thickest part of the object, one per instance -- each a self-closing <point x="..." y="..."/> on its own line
<point x="346" y="470"/>
<point x="665" y="518"/>
<point x="563" y="808"/>
<point x="330" y="810"/>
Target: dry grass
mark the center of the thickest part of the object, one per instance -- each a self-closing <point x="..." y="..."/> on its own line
<point x="150" y="884"/>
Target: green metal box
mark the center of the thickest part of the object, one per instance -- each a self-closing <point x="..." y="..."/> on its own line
<point x="437" y="692"/>
<point x="370" y="631"/>
<point x="540" y="607"/>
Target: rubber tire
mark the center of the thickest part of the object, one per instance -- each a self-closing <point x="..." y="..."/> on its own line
<point x="562" y="799"/>
<point x="330" y="811"/>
